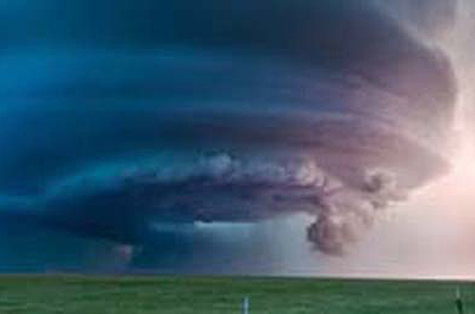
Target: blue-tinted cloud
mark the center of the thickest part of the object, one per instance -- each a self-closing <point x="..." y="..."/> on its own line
<point x="119" y="115"/>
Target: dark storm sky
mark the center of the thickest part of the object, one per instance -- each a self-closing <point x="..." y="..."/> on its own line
<point x="118" y="116"/>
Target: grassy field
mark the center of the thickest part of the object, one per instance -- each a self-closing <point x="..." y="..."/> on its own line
<point x="200" y="295"/>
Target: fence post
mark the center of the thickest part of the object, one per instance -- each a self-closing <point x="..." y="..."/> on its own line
<point x="458" y="301"/>
<point x="245" y="305"/>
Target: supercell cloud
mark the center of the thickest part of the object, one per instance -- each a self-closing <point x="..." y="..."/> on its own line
<point x="118" y="117"/>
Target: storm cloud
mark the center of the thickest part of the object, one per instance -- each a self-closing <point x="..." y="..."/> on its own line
<point x="118" y="116"/>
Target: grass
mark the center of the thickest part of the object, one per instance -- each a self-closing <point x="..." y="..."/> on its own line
<point x="213" y="295"/>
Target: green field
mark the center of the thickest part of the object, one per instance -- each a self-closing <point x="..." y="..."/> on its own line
<point x="105" y="295"/>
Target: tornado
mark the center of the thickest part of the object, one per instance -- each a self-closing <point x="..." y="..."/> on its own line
<point x="118" y="116"/>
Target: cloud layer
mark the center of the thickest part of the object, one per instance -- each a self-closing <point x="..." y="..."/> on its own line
<point x="117" y="117"/>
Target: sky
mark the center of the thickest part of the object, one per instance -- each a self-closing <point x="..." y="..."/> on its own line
<point x="247" y="137"/>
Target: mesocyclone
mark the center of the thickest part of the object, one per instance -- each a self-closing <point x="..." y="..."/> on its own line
<point x="115" y="117"/>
